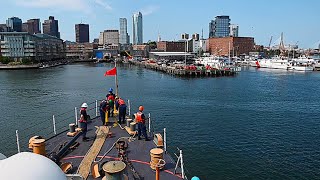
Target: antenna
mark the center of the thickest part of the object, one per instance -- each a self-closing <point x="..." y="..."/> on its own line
<point x="202" y="34"/>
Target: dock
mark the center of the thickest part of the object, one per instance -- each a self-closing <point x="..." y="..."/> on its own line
<point x="182" y="71"/>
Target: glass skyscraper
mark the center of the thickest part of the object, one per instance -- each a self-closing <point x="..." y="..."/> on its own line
<point x="124" y="36"/>
<point x="220" y="27"/>
<point x="14" y="24"/>
<point x="137" y="28"/>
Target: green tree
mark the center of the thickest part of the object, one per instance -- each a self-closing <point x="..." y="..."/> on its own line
<point x="5" y="60"/>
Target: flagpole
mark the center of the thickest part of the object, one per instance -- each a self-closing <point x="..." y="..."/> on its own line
<point x="116" y="78"/>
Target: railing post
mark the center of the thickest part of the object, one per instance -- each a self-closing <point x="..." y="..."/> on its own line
<point x="76" y="115"/>
<point x="54" y="124"/>
<point x="96" y="108"/>
<point x="164" y="140"/>
<point x="18" y="143"/>
<point x="129" y="107"/>
<point x="149" y="123"/>
<point x="182" y="169"/>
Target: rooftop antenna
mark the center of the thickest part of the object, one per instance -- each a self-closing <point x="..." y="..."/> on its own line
<point x="202" y="34"/>
<point x="159" y="37"/>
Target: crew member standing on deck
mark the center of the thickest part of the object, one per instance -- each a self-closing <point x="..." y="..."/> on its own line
<point x="83" y="121"/>
<point x="103" y="109"/>
<point x="110" y="98"/>
<point x="121" y="106"/>
<point x="141" y="120"/>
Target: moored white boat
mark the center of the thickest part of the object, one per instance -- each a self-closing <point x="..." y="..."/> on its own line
<point x="274" y="63"/>
<point x="301" y="68"/>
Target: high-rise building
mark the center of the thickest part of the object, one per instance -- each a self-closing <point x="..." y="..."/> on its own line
<point x="234" y="30"/>
<point x="211" y="27"/>
<point x="51" y="27"/>
<point x="24" y="27"/>
<point x="137" y="28"/>
<point x="219" y="27"/>
<point x="109" y="39"/>
<point x="124" y="36"/>
<point x="82" y="33"/>
<point x="3" y="28"/>
<point x="33" y="26"/>
<point x="14" y="24"/>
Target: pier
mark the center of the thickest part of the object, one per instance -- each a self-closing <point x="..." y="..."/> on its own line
<point x="182" y="71"/>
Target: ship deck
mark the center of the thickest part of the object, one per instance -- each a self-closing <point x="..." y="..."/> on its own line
<point x="138" y="152"/>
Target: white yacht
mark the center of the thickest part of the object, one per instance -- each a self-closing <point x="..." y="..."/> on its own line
<point x="302" y="64"/>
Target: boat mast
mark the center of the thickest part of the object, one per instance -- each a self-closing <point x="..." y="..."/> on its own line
<point x="116" y="78"/>
<point x="229" y="55"/>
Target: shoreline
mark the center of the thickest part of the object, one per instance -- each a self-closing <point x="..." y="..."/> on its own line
<point x="15" y="67"/>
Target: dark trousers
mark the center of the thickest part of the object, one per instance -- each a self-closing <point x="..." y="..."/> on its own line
<point x="110" y="110"/>
<point x="83" y="126"/>
<point x="142" y="128"/>
<point x="103" y="117"/>
<point x="122" y="113"/>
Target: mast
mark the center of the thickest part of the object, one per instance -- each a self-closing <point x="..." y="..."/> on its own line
<point x="229" y="55"/>
<point x="116" y="78"/>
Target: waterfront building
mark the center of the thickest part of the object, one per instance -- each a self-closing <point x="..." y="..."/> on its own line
<point x="80" y="50"/>
<point x="141" y="50"/>
<point x="51" y="27"/>
<point x="219" y="27"/>
<point x="195" y="46"/>
<point x="14" y="24"/>
<point x="124" y="36"/>
<point x="38" y="47"/>
<point x="234" y="30"/>
<point x="137" y="28"/>
<point x="109" y="39"/>
<point x="171" y="46"/>
<point x="238" y="45"/>
<point x="82" y="33"/>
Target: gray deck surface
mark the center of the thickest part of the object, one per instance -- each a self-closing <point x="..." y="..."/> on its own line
<point x="138" y="152"/>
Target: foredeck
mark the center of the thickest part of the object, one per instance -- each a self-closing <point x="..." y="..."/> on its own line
<point x="138" y="152"/>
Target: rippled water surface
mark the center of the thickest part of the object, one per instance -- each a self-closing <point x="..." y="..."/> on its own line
<point x="260" y="124"/>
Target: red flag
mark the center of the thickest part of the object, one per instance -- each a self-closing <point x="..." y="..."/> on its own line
<point x="111" y="72"/>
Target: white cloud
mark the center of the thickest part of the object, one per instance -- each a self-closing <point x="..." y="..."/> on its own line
<point x="103" y="4"/>
<point x="66" y="5"/>
<point x="149" y="10"/>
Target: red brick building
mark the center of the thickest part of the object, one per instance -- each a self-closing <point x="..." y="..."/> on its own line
<point x="171" y="46"/>
<point x="238" y="45"/>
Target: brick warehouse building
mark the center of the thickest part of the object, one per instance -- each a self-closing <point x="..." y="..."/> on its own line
<point x="238" y="45"/>
<point x="171" y="46"/>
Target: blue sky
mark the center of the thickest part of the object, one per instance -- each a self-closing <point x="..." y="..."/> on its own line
<point x="297" y="19"/>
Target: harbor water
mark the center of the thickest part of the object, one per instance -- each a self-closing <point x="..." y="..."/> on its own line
<point x="260" y="124"/>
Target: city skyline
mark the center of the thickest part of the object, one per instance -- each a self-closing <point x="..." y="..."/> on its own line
<point x="260" y="20"/>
